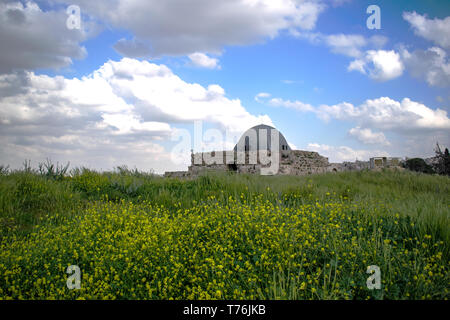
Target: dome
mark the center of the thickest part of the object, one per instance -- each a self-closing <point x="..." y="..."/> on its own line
<point x="253" y="135"/>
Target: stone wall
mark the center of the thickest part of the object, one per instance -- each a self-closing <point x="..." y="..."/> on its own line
<point x="292" y="162"/>
<point x="348" y="166"/>
<point x="176" y="174"/>
<point x="298" y="162"/>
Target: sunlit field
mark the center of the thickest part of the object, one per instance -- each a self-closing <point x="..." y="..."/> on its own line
<point x="140" y="236"/>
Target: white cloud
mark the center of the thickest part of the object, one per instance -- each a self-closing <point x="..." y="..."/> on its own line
<point x="350" y="45"/>
<point x="366" y="136"/>
<point x="157" y="92"/>
<point x="432" y="65"/>
<point x="293" y="146"/>
<point x="344" y="153"/>
<point x="386" y="113"/>
<point x="260" y="97"/>
<point x="202" y="60"/>
<point x="174" y="27"/>
<point x="357" y="65"/>
<point x="436" y="30"/>
<point x="381" y="113"/>
<point x="380" y="65"/>
<point x="296" y="105"/>
<point x="31" y="38"/>
<point x="118" y="114"/>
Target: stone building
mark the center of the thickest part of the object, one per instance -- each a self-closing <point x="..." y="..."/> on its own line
<point x="260" y="148"/>
<point x="264" y="150"/>
<point x="384" y="162"/>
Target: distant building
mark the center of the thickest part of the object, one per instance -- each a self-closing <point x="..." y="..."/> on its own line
<point x="384" y="162"/>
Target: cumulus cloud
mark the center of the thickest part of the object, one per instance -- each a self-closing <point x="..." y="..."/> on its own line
<point x="414" y="125"/>
<point x="432" y="65"/>
<point x="386" y="113"/>
<point x="123" y="112"/>
<point x="167" y="29"/>
<point x="260" y="97"/>
<point x="366" y="136"/>
<point x="296" y="105"/>
<point x="350" y="45"/>
<point x="357" y="65"/>
<point x="293" y="146"/>
<point x="199" y="59"/>
<point x="380" y="65"/>
<point x="344" y="153"/>
<point x="35" y="39"/>
<point x="436" y="30"/>
<point x="381" y="113"/>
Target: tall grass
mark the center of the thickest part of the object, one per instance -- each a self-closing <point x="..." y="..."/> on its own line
<point x="25" y="195"/>
<point x="362" y="209"/>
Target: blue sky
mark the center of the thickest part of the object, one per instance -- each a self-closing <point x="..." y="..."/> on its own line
<point x="123" y="86"/>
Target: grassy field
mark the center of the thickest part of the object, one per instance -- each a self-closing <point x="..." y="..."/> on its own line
<point x="139" y="236"/>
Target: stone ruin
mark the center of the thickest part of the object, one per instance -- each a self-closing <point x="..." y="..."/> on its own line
<point x="262" y="143"/>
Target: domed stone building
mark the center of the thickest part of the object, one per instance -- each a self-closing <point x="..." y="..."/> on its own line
<point x="261" y="149"/>
<point x="262" y="132"/>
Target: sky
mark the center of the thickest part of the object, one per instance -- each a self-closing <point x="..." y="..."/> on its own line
<point x="102" y="84"/>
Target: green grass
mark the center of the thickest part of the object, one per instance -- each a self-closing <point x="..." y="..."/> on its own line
<point x="309" y="237"/>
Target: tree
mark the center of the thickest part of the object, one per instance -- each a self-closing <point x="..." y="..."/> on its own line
<point x="419" y="165"/>
<point x="447" y="162"/>
<point x="442" y="163"/>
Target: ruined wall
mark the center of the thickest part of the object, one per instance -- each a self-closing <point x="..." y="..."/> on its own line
<point x="349" y="166"/>
<point x="177" y="174"/>
<point x="291" y="162"/>
<point x="298" y="162"/>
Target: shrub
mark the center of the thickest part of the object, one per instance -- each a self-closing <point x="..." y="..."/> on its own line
<point x="442" y="161"/>
<point x="419" y="165"/>
<point x="4" y="170"/>
<point x="52" y="171"/>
